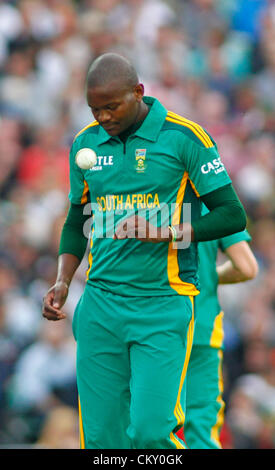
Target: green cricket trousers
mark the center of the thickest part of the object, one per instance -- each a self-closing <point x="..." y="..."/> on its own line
<point x="132" y="357"/>
<point x="204" y="402"/>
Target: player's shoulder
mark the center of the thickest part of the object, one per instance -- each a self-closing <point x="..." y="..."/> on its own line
<point x="190" y="129"/>
<point x="91" y="128"/>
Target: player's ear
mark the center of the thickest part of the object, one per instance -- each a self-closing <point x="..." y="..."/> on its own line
<point x="139" y="91"/>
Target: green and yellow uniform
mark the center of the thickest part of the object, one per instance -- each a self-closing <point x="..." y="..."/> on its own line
<point x="134" y="322"/>
<point x="204" y="403"/>
<point x="179" y="162"/>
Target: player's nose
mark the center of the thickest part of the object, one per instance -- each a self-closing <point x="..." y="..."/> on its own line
<point x="104" y="117"/>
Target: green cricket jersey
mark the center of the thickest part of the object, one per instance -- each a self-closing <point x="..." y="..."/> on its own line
<point x="209" y="316"/>
<point x="159" y="172"/>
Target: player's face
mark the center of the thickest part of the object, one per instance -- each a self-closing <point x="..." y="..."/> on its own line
<point x="115" y="107"/>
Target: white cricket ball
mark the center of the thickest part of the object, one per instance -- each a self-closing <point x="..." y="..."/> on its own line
<point x="85" y="158"/>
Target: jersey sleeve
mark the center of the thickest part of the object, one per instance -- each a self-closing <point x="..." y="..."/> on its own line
<point x="226" y="242"/>
<point x="79" y="189"/>
<point x="204" y="166"/>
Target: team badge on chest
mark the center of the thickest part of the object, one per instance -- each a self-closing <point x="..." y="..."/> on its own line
<point x="140" y="165"/>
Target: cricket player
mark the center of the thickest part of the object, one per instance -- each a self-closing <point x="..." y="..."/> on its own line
<point x="134" y="322"/>
<point x="204" y="399"/>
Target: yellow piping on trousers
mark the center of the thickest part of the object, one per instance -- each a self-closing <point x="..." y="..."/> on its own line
<point x="178" y="412"/>
<point x="215" y="431"/>
<point x="81" y="431"/>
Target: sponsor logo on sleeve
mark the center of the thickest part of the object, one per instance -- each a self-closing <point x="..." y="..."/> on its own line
<point x="215" y="165"/>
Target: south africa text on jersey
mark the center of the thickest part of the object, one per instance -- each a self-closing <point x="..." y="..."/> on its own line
<point x="127" y="201"/>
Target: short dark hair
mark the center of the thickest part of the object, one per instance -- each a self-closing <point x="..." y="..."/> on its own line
<point x="109" y="67"/>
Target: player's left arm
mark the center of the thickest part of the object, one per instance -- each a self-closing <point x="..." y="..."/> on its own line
<point x="226" y="216"/>
<point x="240" y="267"/>
<point x="213" y="186"/>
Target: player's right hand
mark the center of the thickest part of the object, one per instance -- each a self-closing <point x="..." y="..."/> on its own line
<point x="54" y="300"/>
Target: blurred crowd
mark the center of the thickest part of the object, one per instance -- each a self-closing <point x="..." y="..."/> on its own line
<point x="213" y="62"/>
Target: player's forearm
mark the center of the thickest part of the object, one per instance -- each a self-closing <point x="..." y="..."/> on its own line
<point x="241" y="265"/>
<point x="218" y="223"/>
<point x="67" y="265"/>
<point x="230" y="274"/>
<point x="226" y="216"/>
<point x="73" y="240"/>
<point x="73" y="244"/>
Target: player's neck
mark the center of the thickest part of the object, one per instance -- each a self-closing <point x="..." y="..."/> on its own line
<point x="142" y="112"/>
